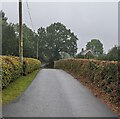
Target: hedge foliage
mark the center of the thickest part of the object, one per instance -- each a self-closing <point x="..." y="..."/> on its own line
<point x="104" y="74"/>
<point x="12" y="68"/>
<point x="30" y="65"/>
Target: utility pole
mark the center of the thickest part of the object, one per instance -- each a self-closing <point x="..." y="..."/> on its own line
<point x="20" y="33"/>
<point x="36" y="36"/>
<point x="37" y="48"/>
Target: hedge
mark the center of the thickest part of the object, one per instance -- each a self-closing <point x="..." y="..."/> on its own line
<point x="12" y="68"/>
<point x="30" y="65"/>
<point x="103" y="74"/>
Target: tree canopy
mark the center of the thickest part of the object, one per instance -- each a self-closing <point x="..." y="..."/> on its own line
<point x="51" y="40"/>
<point x="9" y="38"/>
<point x="57" y="38"/>
<point x="96" y="46"/>
<point x="114" y="54"/>
<point x="54" y="42"/>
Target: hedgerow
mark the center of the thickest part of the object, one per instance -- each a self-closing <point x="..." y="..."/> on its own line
<point x="103" y="74"/>
<point x="30" y="65"/>
<point x="12" y="68"/>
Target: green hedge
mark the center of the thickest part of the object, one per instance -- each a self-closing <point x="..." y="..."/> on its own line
<point x="12" y="68"/>
<point x="30" y="65"/>
<point x="104" y="74"/>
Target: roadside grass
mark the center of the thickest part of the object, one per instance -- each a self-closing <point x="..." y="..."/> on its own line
<point x="15" y="88"/>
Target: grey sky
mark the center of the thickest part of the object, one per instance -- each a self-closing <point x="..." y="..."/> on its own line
<point x="86" y="19"/>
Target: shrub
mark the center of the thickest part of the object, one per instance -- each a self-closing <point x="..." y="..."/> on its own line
<point x="103" y="74"/>
<point x="30" y="64"/>
<point x="12" y="68"/>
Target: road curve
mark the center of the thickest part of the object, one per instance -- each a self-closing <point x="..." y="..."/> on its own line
<point x="55" y="93"/>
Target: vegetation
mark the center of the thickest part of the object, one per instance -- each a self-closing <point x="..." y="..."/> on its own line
<point x="113" y="54"/>
<point x="9" y="37"/>
<point x="96" y="46"/>
<point x="54" y="42"/>
<point x="29" y="41"/>
<point x="30" y="65"/>
<point x="103" y="74"/>
<point x="51" y="41"/>
<point x="12" y="68"/>
<point x="57" y="38"/>
<point x="16" y="88"/>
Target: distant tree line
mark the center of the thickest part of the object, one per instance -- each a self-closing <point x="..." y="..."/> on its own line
<point x="96" y="47"/>
<point x="52" y="41"/>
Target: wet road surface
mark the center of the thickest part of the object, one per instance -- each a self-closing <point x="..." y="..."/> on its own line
<point x="55" y="93"/>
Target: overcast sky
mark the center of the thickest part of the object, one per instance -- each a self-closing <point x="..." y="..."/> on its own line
<point x="87" y="20"/>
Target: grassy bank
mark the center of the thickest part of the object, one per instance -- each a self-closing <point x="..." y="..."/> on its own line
<point x="15" y="88"/>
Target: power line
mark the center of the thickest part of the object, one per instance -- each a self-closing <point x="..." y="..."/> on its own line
<point x="32" y="25"/>
<point x="30" y="15"/>
<point x="25" y="15"/>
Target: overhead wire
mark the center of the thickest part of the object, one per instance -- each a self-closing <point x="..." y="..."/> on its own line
<point x="28" y="9"/>
<point x="30" y="15"/>
<point x="25" y="15"/>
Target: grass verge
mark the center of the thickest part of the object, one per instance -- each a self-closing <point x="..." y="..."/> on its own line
<point x="15" y="88"/>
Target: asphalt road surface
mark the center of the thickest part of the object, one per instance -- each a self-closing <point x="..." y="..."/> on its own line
<point x="55" y="93"/>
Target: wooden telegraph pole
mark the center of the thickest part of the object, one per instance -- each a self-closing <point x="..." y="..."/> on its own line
<point x="37" y="48"/>
<point x="20" y="33"/>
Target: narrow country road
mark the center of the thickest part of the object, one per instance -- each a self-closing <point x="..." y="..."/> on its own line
<point x="55" y="93"/>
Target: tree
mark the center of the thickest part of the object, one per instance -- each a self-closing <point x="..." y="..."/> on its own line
<point x="51" y="41"/>
<point x="113" y="54"/>
<point x="65" y="55"/>
<point x="42" y="44"/>
<point x="96" y="46"/>
<point x="57" y="38"/>
<point x="29" y="41"/>
<point x="9" y="38"/>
